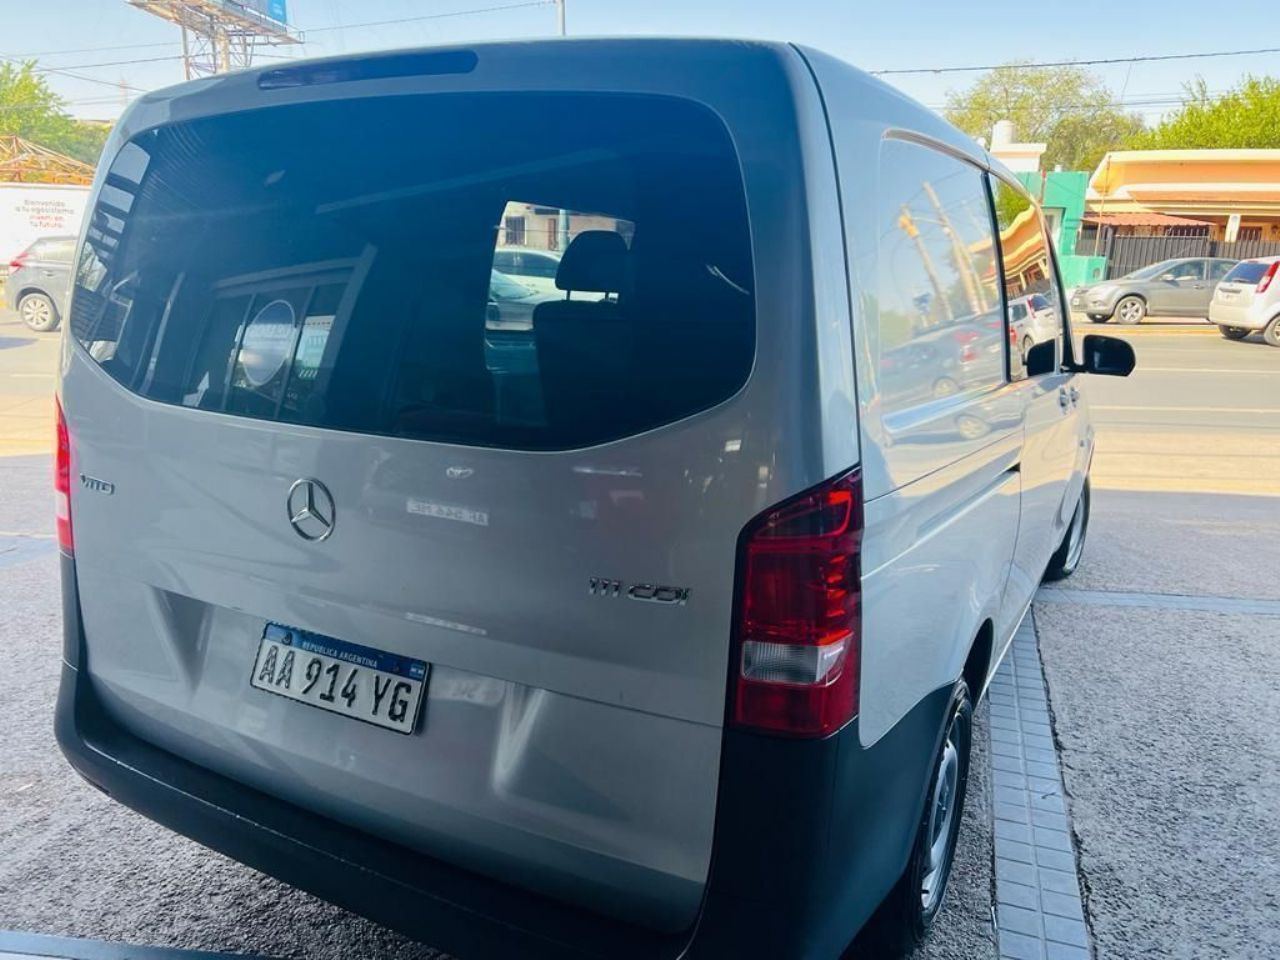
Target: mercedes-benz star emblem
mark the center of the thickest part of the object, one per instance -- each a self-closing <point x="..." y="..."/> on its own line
<point x="311" y="512"/>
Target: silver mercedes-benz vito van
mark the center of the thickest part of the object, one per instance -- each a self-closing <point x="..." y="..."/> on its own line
<point x="645" y="620"/>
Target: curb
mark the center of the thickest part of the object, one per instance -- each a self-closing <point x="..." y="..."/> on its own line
<point x="1039" y="910"/>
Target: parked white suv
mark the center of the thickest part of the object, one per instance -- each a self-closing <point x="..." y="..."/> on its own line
<point x="1248" y="300"/>
<point x="650" y="626"/>
<point x="533" y="268"/>
<point x="1033" y="320"/>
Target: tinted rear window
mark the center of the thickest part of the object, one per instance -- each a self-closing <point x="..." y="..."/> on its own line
<point x="245" y="264"/>
<point x="1246" y="271"/>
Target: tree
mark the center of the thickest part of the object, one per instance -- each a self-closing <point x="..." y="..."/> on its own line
<point x="30" y="109"/>
<point x="1066" y="107"/>
<point x="1248" y="116"/>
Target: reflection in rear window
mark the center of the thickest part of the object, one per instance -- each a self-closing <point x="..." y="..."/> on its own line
<point x="240" y="269"/>
<point x="1246" y="271"/>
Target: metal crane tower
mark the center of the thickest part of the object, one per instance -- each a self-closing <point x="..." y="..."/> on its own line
<point x="222" y="35"/>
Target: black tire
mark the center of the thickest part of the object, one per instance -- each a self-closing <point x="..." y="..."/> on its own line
<point x="1066" y="558"/>
<point x="1099" y="317"/>
<point x="38" y="312"/>
<point x="901" y="923"/>
<point x="1026" y="348"/>
<point x="1272" y="333"/>
<point x="1233" y="333"/>
<point x="1130" y="310"/>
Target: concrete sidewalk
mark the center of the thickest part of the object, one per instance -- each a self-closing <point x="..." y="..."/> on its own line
<point x="28" y="373"/>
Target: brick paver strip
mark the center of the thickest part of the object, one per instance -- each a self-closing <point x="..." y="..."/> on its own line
<point x="1039" y="914"/>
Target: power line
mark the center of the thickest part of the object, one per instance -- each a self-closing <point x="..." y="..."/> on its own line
<point x="1076" y="63"/>
<point x="121" y="46"/>
<point x="126" y="63"/>
<point x="41" y="108"/>
<point x="76" y="76"/>
<point x="1146" y="100"/>
<point x="433" y="16"/>
<point x="350" y="26"/>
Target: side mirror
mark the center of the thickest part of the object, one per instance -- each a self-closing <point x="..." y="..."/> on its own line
<point x="1108" y="356"/>
<point x="1042" y="358"/>
<point x="1168" y="277"/>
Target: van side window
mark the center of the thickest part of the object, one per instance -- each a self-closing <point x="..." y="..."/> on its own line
<point x="939" y="330"/>
<point x="1034" y="301"/>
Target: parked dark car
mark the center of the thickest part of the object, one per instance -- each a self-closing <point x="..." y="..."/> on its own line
<point x="39" y="279"/>
<point x="1170" y="288"/>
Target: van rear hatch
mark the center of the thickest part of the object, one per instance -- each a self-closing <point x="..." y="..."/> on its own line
<point x="490" y="529"/>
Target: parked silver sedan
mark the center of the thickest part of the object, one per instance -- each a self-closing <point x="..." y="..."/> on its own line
<point x="38" y="282"/>
<point x="1171" y="288"/>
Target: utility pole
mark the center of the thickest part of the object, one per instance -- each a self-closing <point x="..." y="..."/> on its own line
<point x="964" y="262"/>
<point x="563" y="229"/>
<point x="187" y="67"/>
<point x="908" y="226"/>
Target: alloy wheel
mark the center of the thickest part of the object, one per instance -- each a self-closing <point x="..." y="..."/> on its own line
<point x="940" y="830"/>
<point x="1130" y="310"/>
<point x="36" y="312"/>
<point x="1075" y="537"/>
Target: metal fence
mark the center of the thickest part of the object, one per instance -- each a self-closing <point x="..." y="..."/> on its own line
<point x="1128" y="253"/>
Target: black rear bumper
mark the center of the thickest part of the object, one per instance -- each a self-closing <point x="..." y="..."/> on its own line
<point x="810" y="835"/>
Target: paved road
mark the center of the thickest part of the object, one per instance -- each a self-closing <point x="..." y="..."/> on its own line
<point x="1200" y="414"/>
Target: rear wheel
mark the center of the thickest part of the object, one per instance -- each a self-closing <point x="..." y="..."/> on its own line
<point x="1272" y="333"/>
<point x="945" y="387"/>
<point x="38" y="312"/>
<point x="906" y="915"/>
<point x="1233" y="333"/>
<point x="1066" y="558"/>
<point x="1130" y="310"/>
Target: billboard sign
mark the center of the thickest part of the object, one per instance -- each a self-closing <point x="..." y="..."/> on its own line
<point x="29" y="211"/>
<point x="267" y="9"/>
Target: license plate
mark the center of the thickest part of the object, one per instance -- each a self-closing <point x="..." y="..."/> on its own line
<point x="344" y="678"/>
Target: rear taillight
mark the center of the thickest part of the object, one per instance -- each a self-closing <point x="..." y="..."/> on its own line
<point x="1268" y="277"/>
<point x="967" y="340"/>
<point x="62" y="484"/>
<point x="797" y="649"/>
<point x="18" y="262"/>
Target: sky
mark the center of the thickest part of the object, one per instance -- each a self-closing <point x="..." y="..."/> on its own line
<point x="73" y="36"/>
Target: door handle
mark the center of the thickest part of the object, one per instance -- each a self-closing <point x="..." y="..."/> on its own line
<point x="1063" y="400"/>
<point x="1075" y="396"/>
